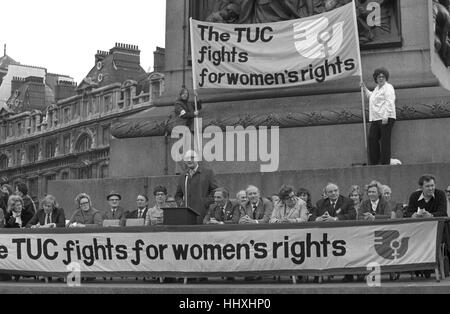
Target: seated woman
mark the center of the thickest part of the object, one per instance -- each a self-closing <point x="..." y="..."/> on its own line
<point x="375" y="206"/>
<point x="50" y="215"/>
<point x="356" y="196"/>
<point x="290" y="208"/>
<point x="15" y="215"/>
<point x="395" y="208"/>
<point x="86" y="215"/>
<point x="155" y="214"/>
<point x="305" y="196"/>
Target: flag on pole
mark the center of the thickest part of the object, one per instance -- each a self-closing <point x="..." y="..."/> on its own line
<point x="310" y="50"/>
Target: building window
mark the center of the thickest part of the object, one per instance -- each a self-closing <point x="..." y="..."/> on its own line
<point x="19" y="129"/>
<point x="156" y="89"/>
<point x="66" y="144"/>
<point x="85" y="173"/>
<point x="108" y="103"/>
<point x="50" y="148"/>
<point x="106" y="136"/>
<point x="18" y="157"/>
<point x="3" y="162"/>
<point x="33" y="153"/>
<point x="104" y="172"/>
<point x="65" y="176"/>
<point x="85" y="109"/>
<point x="33" y="187"/>
<point x="84" y="143"/>
<point x="66" y="118"/>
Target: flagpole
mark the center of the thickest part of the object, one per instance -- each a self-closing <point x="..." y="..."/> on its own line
<point x="363" y="98"/>
<point x="194" y="83"/>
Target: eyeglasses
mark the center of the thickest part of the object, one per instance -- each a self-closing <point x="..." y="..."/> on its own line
<point x="87" y="203"/>
<point x="113" y="199"/>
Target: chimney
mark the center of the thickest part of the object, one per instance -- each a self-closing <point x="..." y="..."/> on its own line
<point x="36" y="92"/>
<point x="100" y="56"/>
<point x="159" y="56"/>
<point x="16" y="83"/>
<point x="127" y="54"/>
<point x="64" y="89"/>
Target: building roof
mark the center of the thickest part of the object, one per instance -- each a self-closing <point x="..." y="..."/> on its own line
<point x="120" y="64"/>
<point x="33" y="94"/>
<point x="6" y="61"/>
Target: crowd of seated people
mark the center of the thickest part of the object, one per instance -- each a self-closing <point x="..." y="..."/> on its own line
<point x="247" y="207"/>
<point x="287" y="206"/>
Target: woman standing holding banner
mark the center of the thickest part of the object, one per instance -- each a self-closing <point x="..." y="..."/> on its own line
<point x="382" y="115"/>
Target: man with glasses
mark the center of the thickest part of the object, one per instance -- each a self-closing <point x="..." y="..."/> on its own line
<point x="115" y="212"/>
<point x="291" y="209"/>
<point x="428" y="202"/>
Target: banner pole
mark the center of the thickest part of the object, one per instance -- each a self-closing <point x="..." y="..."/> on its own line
<point x="363" y="100"/>
<point x="194" y="84"/>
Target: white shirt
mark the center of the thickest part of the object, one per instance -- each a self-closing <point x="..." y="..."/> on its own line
<point x="382" y="103"/>
<point x="375" y="205"/>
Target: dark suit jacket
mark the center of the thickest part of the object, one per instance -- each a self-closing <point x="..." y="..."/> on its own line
<point x="345" y="209"/>
<point x="119" y="214"/>
<point x="437" y="206"/>
<point x="134" y="214"/>
<point x="200" y="189"/>
<point x="383" y="209"/>
<point x="262" y="213"/>
<point x="231" y="215"/>
<point x="58" y="217"/>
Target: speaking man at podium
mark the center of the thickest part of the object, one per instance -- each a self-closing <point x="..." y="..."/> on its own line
<point x="195" y="186"/>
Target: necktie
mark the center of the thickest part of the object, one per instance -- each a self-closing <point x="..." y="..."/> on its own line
<point x="140" y="214"/>
<point x="254" y="211"/>
<point x="47" y="219"/>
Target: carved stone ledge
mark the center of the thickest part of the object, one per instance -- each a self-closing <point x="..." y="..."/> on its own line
<point x="159" y="127"/>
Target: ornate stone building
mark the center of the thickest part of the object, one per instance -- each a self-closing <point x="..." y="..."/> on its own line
<point x="52" y="129"/>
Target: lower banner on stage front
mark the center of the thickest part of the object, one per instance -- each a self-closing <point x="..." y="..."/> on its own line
<point x="197" y="250"/>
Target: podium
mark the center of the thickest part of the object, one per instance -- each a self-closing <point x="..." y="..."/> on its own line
<point x="179" y="216"/>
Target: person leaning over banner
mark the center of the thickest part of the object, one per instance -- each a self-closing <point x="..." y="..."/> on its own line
<point x="15" y="215"/>
<point x="290" y="208"/>
<point x="376" y="206"/>
<point x="195" y="186"/>
<point x="382" y="115"/>
<point x="258" y="209"/>
<point x="50" y="215"/>
<point x="86" y="215"/>
<point x="223" y="211"/>
<point x="29" y="207"/>
<point x="242" y="199"/>
<point x="335" y="207"/>
<point x="305" y="195"/>
<point x="429" y="202"/>
<point x="155" y="215"/>
<point x="115" y="212"/>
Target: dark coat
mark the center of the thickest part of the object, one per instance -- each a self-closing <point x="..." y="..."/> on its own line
<point x="200" y="189"/>
<point x="185" y="110"/>
<point x="345" y="209"/>
<point x="10" y="221"/>
<point x="29" y="208"/>
<point x="437" y="206"/>
<point x="262" y="213"/>
<point x="134" y="214"/>
<point x="119" y="214"/>
<point x="58" y="217"/>
<point x="231" y="215"/>
<point x="383" y="209"/>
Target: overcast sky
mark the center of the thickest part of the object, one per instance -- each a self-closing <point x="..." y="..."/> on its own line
<point x="64" y="35"/>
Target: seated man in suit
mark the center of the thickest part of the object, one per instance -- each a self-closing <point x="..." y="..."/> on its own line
<point x="429" y="202"/>
<point x="223" y="211"/>
<point x="258" y="210"/>
<point x="49" y="216"/>
<point x="335" y="207"/>
<point x="142" y="208"/>
<point x="115" y="212"/>
<point x="376" y="205"/>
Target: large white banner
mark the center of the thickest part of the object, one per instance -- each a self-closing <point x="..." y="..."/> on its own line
<point x="203" y="250"/>
<point x="310" y="50"/>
